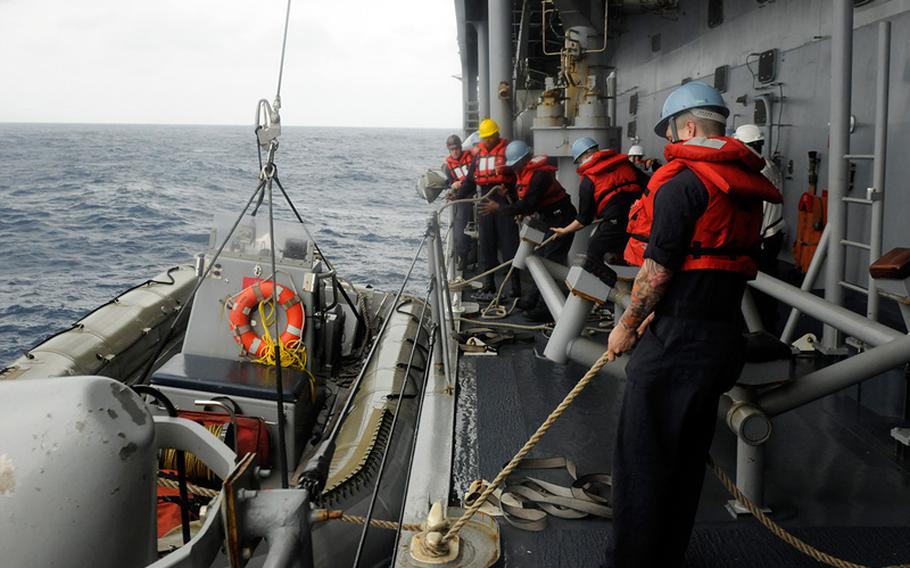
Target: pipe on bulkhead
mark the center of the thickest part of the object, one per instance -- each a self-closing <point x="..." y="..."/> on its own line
<point x="483" y="70"/>
<point x="879" y="163"/>
<point x="839" y="136"/>
<point x="500" y="39"/>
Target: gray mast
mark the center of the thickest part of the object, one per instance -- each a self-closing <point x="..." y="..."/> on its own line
<point x="500" y="38"/>
<point x="841" y="77"/>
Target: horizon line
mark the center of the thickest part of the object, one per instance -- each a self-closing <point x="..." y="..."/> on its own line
<point x="81" y="123"/>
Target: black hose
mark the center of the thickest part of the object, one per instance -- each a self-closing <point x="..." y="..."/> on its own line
<point x="344" y="294"/>
<point x="279" y="387"/>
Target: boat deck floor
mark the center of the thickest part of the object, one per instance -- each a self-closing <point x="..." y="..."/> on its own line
<point x="832" y="477"/>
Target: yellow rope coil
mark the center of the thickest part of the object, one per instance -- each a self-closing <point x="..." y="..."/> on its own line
<point x="293" y="355"/>
<point x="195" y="468"/>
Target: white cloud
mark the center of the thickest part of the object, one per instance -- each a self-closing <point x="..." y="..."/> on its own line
<point x="355" y="63"/>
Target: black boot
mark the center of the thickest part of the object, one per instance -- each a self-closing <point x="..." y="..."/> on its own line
<point x="603" y="272"/>
<point x="487" y="292"/>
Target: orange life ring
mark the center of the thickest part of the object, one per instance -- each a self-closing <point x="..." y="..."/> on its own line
<point x="248" y="300"/>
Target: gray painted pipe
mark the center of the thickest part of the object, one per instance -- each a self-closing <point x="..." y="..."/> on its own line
<point x="880" y="162"/>
<point x="586" y="352"/>
<point x="569" y="325"/>
<point x="549" y="291"/>
<point x="815" y="267"/>
<point x="500" y="39"/>
<point x="750" y="467"/>
<point x="750" y="313"/>
<point x="483" y="70"/>
<point x="839" y="135"/>
<point x="556" y="270"/>
<point x="836" y="377"/>
<point x="840" y="318"/>
<point x="525" y="249"/>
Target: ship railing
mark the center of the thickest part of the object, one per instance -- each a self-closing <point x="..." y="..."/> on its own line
<point x="747" y="413"/>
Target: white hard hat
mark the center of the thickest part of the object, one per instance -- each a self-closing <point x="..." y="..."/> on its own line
<point x="748" y="133"/>
<point x="470" y="141"/>
<point x="636" y="150"/>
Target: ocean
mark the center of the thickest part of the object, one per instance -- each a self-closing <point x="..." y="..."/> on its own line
<point x="88" y="211"/>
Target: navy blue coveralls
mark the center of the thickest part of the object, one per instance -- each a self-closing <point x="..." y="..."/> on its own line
<point x="692" y="353"/>
<point x="461" y="216"/>
<point x="498" y="232"/>
<point x="558" y="214"/>
<point x="610" y="237"/>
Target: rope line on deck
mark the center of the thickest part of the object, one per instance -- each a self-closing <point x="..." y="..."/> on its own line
<point x="513" y="464"/>
<point x="778" y="530"/>
<point x="529" y="445"/>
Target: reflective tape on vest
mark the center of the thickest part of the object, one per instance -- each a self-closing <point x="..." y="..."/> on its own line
<point x="254" y="346"/>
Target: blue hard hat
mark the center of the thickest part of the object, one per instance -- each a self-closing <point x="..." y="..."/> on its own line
<point x="694" y="94"/>
<point x="581" y="146"/>
<point x="515" y="151"/>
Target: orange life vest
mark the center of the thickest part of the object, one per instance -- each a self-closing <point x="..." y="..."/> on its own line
<point x="459" y="166"/>
<point x="611" y="173"/>
<point x="491" y="164"/>
<point x="554" y="192"/>
<point x="727" y="235"/>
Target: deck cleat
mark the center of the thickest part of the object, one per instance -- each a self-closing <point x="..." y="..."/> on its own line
<point x="476" y="545"/>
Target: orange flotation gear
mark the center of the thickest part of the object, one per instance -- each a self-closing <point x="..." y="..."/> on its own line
<point x="611" y="173"/>
<point x="248" y="300"/>
<point x="727" y="235"/>
<point x="458" y="167"/>
<point x="491" y="164"/>
<point x="554" y="192"/>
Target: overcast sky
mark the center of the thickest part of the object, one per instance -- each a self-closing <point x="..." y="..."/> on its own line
<point x="349" y="63"/>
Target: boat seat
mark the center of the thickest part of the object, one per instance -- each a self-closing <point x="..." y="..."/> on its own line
<point x="768" y="360"/>
<point x="229" y="377"/>
<point x="894" y="265"/>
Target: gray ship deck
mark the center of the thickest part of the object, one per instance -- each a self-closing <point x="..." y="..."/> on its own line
<point x="833" y="477"/>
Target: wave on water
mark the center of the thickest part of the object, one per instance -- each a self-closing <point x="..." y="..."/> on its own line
<point x="89" y="211"/>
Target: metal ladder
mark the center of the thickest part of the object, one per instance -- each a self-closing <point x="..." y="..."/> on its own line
<point x="874" y="199"/>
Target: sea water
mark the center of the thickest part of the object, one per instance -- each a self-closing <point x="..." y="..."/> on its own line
<point x="88" y="211"/>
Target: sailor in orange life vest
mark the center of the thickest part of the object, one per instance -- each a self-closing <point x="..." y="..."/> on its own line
<point x="498" y="232"/>
<point x="695" y="233"/>
<point x="539" y="194"/>
<point x="609" y="185"/>
<point x="457" y="165"/>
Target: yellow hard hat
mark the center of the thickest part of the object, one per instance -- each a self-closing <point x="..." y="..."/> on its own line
<point x="488" y="127"/>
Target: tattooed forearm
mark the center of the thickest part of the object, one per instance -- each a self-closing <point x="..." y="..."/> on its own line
<point x="648" y="289"/>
